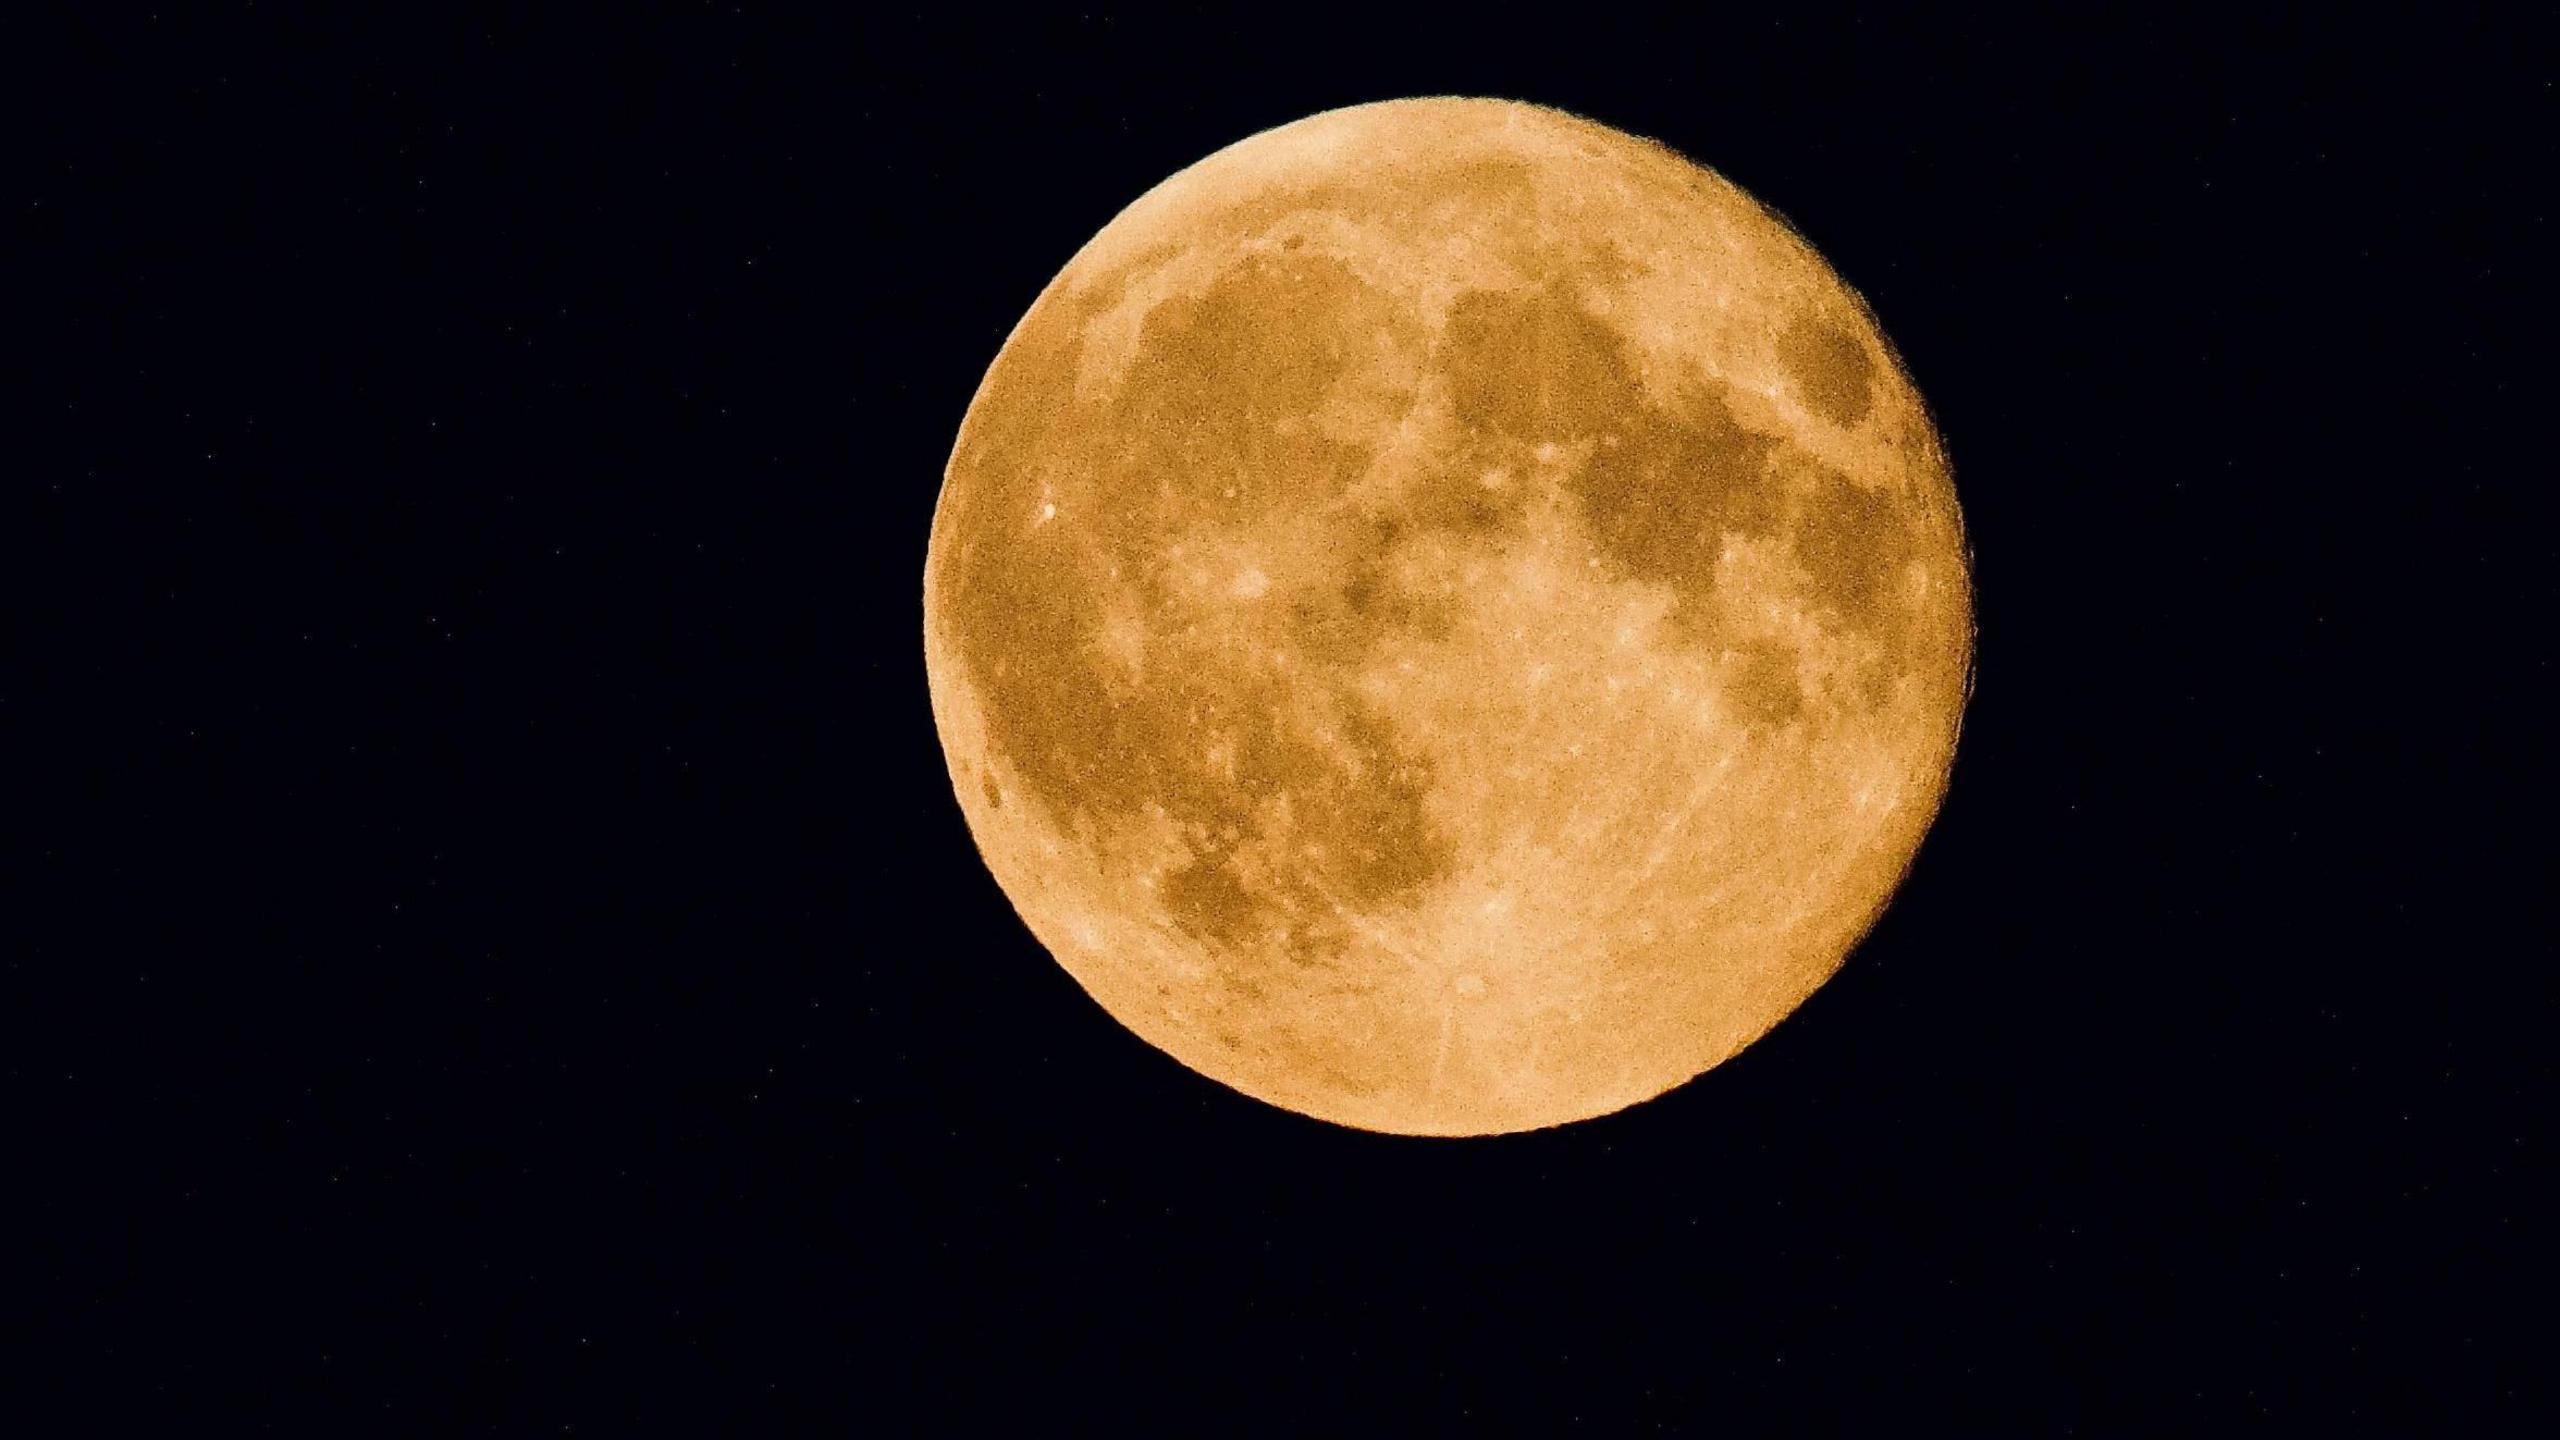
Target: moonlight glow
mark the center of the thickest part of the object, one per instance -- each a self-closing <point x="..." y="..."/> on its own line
<point x="1448" y="618"/>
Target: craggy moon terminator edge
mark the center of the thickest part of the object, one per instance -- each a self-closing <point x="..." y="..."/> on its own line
<point x="1448" y="618"/>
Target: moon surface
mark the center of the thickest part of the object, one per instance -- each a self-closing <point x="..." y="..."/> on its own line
<point x="1448" y="618"/>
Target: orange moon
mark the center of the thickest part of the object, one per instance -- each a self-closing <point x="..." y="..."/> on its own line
<point x="1448" y="618"/>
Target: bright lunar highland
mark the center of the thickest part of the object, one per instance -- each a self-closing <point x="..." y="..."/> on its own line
<point x="1448" y="618"/>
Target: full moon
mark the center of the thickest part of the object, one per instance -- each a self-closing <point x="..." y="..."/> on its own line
<point x="1448" y="618"/>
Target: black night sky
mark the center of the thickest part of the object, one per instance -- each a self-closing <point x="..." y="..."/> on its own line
<point x="491" y="947"/>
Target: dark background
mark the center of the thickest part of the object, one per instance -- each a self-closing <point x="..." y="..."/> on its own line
<point x="493" y="948"/>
